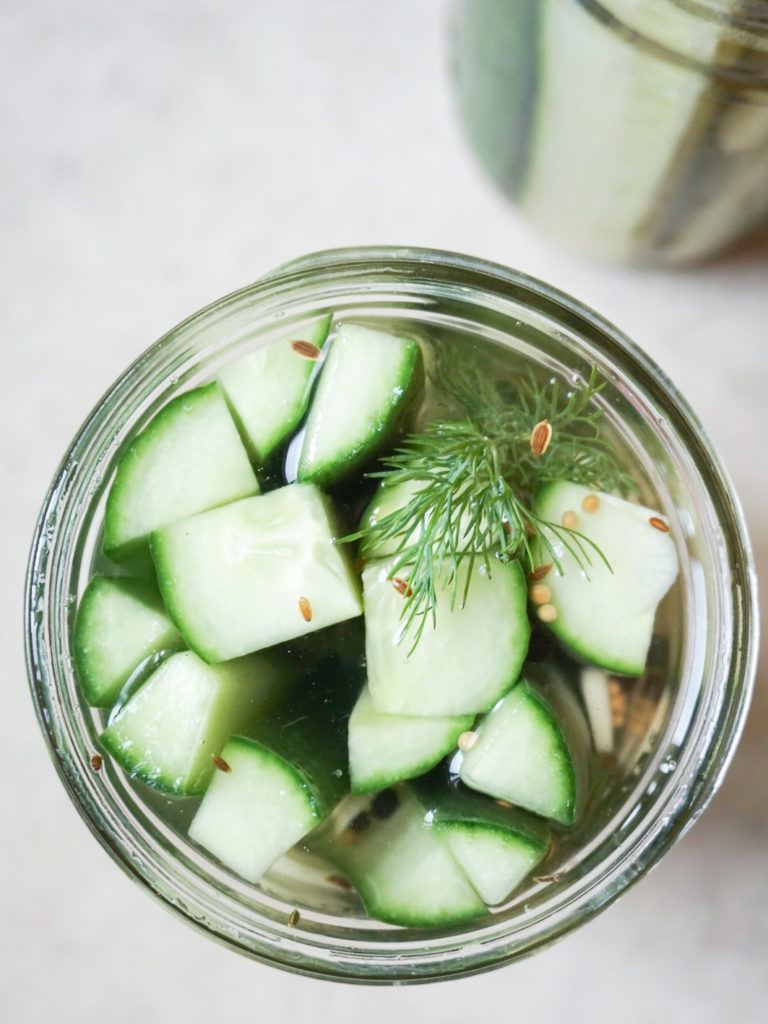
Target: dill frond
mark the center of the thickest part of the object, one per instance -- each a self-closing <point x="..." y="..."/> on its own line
<point x="477" y="477"/>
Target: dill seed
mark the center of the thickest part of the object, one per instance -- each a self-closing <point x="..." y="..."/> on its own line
<point x="503" y="803"/>
<point x="540" y="572"/>
<point x="401" y="586"/>
<point x="220" y="763"/>
<point x="306" y="609"/>
<point x="591" y="503"/>
<point x="570" y="520"/>
<point x="547" y="612"/>
<point x="540" y="593"/>
<point x="658" y="524"/>
<point x="306" y="349"/>
<point x="467" y="740"/>
<point x="293" y="918"/>
<point x="96" y="762"/>
<point x="541" y="435"/>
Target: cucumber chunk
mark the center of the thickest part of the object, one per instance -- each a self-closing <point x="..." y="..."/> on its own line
<point x="281" y="781"/>
<point x="254" y="810"/>
<point x="268" y="390"/>
<point x="607" y="619"/>
<point x="496" y="847"/>
<point x="463" y="664"/>
<point x="120" y="622"/>
<point x="168" y="731"/>
<point x="189" y="458"/>
<point x="384" y="749"/>
<point x="402" y="870"/>
<point x="365" y="387"/>
<point x="255" y="573"/>
<point x="529" y="755"/>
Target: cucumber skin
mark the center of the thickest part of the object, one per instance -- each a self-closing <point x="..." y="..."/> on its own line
<point x="133" y="554"/>
<point x="388" y="427"/>
<point x="90" y="680"/>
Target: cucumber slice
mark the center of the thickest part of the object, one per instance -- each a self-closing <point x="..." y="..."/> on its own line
<point x="282" y="781"/>
<point x="168" y="731"/>
<point x="645" y="108"/>
<point x="188" y="459"/>
<point x="254" y="810"/>
<point x="384" y="749"/>
<point x="268" y="390"/>
<point x="120" y="622"/>
<point x="529" y="755"/>
<point x="496" y="847"/>
<point x="255" y="573"/>
<point x="607" y="619"/>
<point x="365" y="387"/>
<point x="463" y="664"/>
<point x="403" y="872"/>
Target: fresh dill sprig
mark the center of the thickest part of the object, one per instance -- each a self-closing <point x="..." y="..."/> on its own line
<point x="476" y="477"/>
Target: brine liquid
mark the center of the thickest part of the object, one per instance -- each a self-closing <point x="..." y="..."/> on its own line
<point x="626" y="715"/>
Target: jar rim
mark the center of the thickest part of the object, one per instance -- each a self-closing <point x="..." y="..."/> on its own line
<point x="370" y="957"/>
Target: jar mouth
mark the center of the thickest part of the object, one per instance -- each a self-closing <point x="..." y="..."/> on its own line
<point x="677" y="778"/>
<point x="708" y="36"/>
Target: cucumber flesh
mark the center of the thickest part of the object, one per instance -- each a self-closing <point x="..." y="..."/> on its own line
<point x="168" y="731"/>
<point x="268" y="390"/>
<point x="385" y="749"/>
<point x="120" y="622"/>
<point x="607" y="619"/>
<point x="365" y="386"/>
<point x="254" y="810"/>
<point x="402" y="870"/>
<point x="463" y="664"/>
<point x="522" y="755"/>
<point x="496" y="847"/>
<point x="189" y="458"/>
<point x="255" y="573"/>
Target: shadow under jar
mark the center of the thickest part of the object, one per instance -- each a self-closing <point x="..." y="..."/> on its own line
<point x="633" y="131"/>
<point x="679" y="722"/>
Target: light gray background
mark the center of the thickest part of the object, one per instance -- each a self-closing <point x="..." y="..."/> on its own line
<point x="156" y="155"/>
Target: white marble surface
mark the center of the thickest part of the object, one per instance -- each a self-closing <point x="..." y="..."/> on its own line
<point x="158" y="154"/>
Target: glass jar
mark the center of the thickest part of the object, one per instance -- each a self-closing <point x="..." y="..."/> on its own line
<point x="665" y="778"/>
<point x="633" y="131"/>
